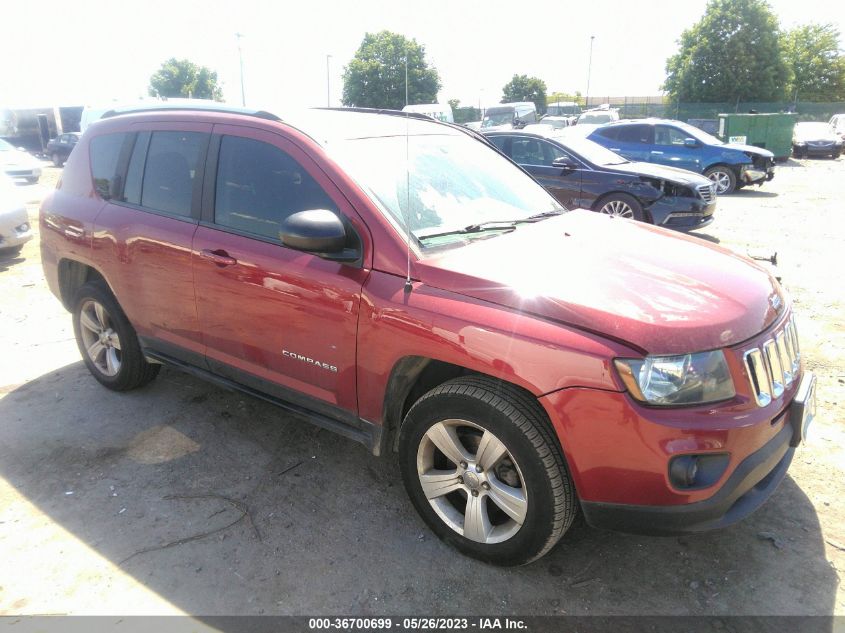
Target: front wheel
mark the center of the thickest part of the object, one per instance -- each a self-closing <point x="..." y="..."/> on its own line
<point x="621" y="205"/>
<point x="107" y="342"/>
<point x="724" y="177"/>
<point x="484" y="471"/>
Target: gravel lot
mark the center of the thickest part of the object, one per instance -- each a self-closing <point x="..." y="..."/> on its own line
<point x="93" y="483"/>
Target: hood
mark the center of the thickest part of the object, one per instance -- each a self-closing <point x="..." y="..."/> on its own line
<point x="751" y="149"/>
<point x="15" y="157"/>
<point x="662" y="172"/>
<point x="657" y="291"/>
<point x="825" y="137"/>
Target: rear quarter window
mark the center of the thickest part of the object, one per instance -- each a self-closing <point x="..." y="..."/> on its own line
<point x="105" y="155"/>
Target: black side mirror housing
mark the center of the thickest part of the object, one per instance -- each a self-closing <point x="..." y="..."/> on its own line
<point x="565" y="163"/>
<point x="317" y="231"/>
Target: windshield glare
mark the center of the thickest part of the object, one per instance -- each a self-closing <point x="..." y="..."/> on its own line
<point x="698" y="134"/>
<point x="4" y="146"/>
<point x="590" y="150"/>
<point x="822" y="129"/>
<point x="497" y="118"/>
<point x="455" y="181"/>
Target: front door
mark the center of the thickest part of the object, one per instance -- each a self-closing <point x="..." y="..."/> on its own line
<point x="273" y="318"/>
<point x="670" y="149"/>
<point x="536" y="157"/>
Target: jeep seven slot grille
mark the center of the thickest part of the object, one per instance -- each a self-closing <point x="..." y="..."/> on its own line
<point x="707" y="192"/>
<point x="774" y="366"/>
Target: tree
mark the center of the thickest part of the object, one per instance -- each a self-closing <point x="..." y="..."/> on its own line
<point x="732" y="54"/>
<point x="565" y="96"/>
<point x="525" y="88"/>
<point x="375" y="78"/>
<point x="183" y="78"/>
<point x="818" y="68"/>
<point x="454" y="103"/>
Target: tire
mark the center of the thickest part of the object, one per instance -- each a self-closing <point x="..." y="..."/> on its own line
<point x="117" y="362"/>
<point x="12" y="251"/>
<point x="57" y="160"/>
<point x="797" y="153"/>
<point x="620" y="205"/>
<point x="526" y="473"/>
<point x="724" y="177"/>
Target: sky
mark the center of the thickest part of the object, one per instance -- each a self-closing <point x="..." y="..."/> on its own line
<point x="88" y="52"/>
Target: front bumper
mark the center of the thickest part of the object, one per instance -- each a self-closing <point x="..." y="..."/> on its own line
<point x="818" y="150"/>
<point x="682" y="213"/>
<point x="15" y="229"/>
<point x="16" y="172"/>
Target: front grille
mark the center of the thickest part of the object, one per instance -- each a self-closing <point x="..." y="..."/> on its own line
<point x="707" y="192"/>
<point x="774" y="366"/>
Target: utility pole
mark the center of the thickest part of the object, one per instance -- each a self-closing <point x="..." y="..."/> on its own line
<point x="589" y="72"/>
<point x="328" y="84"/>
<point x="241" y="60"/>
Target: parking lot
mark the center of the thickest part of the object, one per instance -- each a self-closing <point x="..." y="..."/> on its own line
<point x="181" y="497"/>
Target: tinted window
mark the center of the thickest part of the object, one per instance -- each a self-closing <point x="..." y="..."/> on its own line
<point x="665" y="135"/>
<point x="634" y="134"/>
<point x="105" y="153"/>
<point x="529" y="151"/>
<point x="500" y="142"/>
<point x="135" y="173"/>
<point x="172" y="161"/>
<point x="609" y="132"/>
<point x="259" y="185"/>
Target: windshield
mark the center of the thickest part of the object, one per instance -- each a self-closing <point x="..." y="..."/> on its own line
<point x="595" y="117"/>
<point x="810" y="129"/>
<point x="590" y="150"/>
<point x="497" y="118"/>
<point x="455" y="181"/>
<point x="4" y="146"/>
<point x="694" y="132"/>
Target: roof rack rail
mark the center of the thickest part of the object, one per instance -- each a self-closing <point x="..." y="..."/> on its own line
<point x="212" y="107"/>
<point x="415" y="115"/>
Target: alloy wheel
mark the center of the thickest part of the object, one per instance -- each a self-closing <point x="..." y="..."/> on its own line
<point x="102" y="344"/>
<point x="472" y="481"/>
<point x="722" y="180"/>
<point x="618" y="208"/>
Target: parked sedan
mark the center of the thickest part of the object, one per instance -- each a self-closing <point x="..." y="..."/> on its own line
<point x="18" y="164"/>
<point x="15" y="230"/>
<point x="678" y="144"/>
<point x="581" y="173"/>
<point x="60" y="147"/>
<point x="815" y="139"/>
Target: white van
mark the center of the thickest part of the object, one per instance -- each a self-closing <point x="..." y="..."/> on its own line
<point x="438" y="111"/>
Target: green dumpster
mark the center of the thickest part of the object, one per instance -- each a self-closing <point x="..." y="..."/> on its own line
<point x="769" y="131"/>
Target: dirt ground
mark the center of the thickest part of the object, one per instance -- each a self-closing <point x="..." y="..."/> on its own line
<point x="93" y="483"/>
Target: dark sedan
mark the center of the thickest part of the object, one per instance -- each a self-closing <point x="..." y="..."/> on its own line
<point x="60" y="147"/>
<point x="581" y="173"/>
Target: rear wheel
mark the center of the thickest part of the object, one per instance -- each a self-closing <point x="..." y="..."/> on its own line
<point x="483" y="470"/>
<point x="107" y="342"/>
<point x="621" y="205"/>
<point x="724" y="177"/>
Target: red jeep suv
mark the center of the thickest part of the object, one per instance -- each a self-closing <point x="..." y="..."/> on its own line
<point x="401" y="282"/>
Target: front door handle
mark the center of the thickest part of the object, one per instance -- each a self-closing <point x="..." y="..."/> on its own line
<point x="654" y="151"/>
<point x="219" y="257"/>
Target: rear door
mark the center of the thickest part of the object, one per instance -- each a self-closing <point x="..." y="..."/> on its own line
<point x="143" y="234"/>
<point x="631" y="141"/>
<point x="275" y="319"/>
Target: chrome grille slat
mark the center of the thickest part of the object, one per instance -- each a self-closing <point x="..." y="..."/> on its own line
<point x="774" y="366"/>
<point x="707" y="192"/>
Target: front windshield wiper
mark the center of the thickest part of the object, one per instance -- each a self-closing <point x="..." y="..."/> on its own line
<point x="493" y="225"/>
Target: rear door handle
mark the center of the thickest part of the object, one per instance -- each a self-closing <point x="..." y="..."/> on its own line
<point x="615" y="149"/>
<point x="219" y="257"/>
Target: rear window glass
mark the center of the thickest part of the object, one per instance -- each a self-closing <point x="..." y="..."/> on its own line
<point x="105" y="154"/>
<point x="172" y="161"/>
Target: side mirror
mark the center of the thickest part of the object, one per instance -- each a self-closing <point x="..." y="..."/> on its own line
<point x="317" y="231"/>
<point x="565" y="163"/>
<point x="690" y="142"/>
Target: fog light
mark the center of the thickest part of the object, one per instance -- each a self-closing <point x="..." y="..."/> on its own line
<point x="697" y="471"/>
<point x="23" y="228"/>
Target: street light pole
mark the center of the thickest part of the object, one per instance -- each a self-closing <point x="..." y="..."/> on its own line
<point x="328" y="84"/>
<point x="241" y="61"/>
<point x="589" y="71"/>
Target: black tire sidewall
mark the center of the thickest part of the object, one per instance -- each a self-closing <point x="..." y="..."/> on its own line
<point x="538" y="526"/>
<point x="130" y="349"/>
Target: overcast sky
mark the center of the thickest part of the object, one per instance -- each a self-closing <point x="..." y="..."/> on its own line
<point x="88" y="52"/>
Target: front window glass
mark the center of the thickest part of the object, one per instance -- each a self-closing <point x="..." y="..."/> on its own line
<point x="665" y="135"/>
<point x="450" y="182"/>
<point x="701" y="135"/>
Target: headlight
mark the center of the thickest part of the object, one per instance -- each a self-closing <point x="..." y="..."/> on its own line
<point x="800" y="143"/>
<point x="678" y="380"/>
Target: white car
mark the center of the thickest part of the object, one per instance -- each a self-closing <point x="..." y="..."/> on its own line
<point x="15" y="230"/>
<point x="17" y="164"/>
